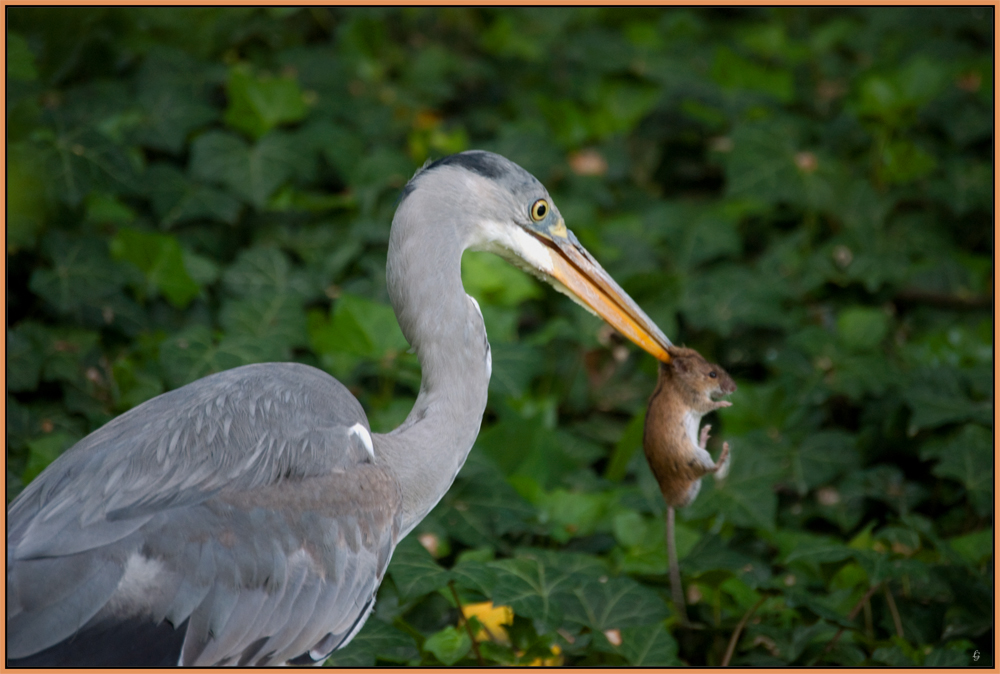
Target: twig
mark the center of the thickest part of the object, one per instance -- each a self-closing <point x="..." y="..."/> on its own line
<point x="739" y="629"/>
<point x="894" y="611"/>
<point x="869" y="626"/>
<point x="850" y="616"/>
<point x="468" y="627"/>
<point x="675" y="572"/>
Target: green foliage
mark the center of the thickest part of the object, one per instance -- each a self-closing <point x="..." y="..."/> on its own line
<point x="802" y="194"/>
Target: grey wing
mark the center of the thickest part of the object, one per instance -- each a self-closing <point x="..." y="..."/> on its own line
<point x="244" y="511"/>
<point x="242" y="428"/>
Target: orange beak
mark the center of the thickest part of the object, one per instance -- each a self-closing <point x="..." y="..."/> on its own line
<point x="576" y="273"/>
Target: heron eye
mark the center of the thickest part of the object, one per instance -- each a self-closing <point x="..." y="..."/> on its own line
<point x="539" y="210"/>
<point x="712" y="374"/>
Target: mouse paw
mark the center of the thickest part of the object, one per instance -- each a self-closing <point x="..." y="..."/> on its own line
<point x="722" y="465"/>
<point x="703" y="438"/>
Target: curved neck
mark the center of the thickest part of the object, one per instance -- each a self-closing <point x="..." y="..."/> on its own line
<point x="446" y="329"/>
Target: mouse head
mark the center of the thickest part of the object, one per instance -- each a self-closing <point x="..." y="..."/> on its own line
<point x="702" y="383"/>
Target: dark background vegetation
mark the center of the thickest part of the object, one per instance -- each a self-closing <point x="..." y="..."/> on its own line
<point x="803" y="195"/>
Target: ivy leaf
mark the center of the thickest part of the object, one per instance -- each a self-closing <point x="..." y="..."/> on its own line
<point x="82" y="274"/>
<point x="160" y="258"/>
<point x="20" y="60"/>
<point x="376" y="641"/>
<point x="264" y="270"/>
<point x="25" y="344"/>
<point x="173" y="96"/>
<point x="258" y="104"/>
<point x="360" y="327"/>
<point x="43" y="451"/>
<point x="614" y="603"/>
<point x="732" y="71"/>
<point x="936" y="397"/>
<point x="746" y="496"/>
<point x="252" y="172"/>
<point x="730" y="297"/>
<point x="274" y="323"/>
<point x="79" y="161"/>
<point x="414" y="571"/>
<point x="649" y="646"/>
<point x="176" y="199"/>
<point x="515" y="365"/>
<point x="531" y="589"/>
<point x="449" y="645"/>
<point x="481" y="505"/>
<point x="493" y="280"/>
<point x="967" y="457"/>
<point x="192" y="354"/>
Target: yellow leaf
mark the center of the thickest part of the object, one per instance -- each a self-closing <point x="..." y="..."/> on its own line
<point x="491" y="618"/>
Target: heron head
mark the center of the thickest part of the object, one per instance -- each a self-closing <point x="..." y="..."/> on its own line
<point x="516" y="218"/>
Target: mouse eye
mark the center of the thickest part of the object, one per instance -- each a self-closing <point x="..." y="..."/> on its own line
<point x="712" y="374"/>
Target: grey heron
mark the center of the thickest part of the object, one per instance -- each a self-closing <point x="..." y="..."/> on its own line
<point x="248" y="518"/>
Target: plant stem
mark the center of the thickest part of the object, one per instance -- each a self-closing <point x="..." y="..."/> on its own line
<point x="850" y="616"/>
<point x="894" y="611"/>
<point x="675" y="570"/>
<point x="739" y="629"/>
<point x="468" y="627"/>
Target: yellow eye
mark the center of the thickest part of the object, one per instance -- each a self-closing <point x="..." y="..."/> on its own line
<point x="539" y="210"/>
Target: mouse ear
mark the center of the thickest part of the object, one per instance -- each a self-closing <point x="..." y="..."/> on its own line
<point x="680" y="364"/>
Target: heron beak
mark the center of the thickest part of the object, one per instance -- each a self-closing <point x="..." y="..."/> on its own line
<point x="583" y="279"/>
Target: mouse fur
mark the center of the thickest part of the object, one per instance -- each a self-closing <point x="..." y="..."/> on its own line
<point x="687" y="388"/>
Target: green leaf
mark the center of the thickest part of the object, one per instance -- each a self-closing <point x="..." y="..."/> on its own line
<point x="449" y="645"/>
<point x="20" y="60"/>
<point x="376" y="641"/>
<point x="360" y="327"/>
<point x="160" y="258"/>
<point x="730" y="297"/>
<point x="820" y="458"/>
<point x="628" y="443"/>
<point x="174" y="96"/>
<point x="259" y="104"/>
<point x="614" y="603"/>
<point x="176" y="199"/>
<point x="532" y="589"/>
<point x="862" y="328"/>
<point x="746" y="496"/>
<point x="770" y="163"/>
<point x="82" y="274"/>
<point x="24" y="356"/>
<point x="711" y="553"/>
<point x="967" y="457"/>
<point x="904" y="162"/>
<point x="521" y="446"/>
<point x="275" y="323"/>
<point x="78" y="161"/>
<point x="492" y="280"/>
<point x="732" y="71"/>
<point x="976" y="547"/>
<point x="481" y="505"/>
<point x="936" y="397"/>
<point x="252" y="172"/>
<point x="43" y="451"/>
<point x="26" y="182"/>
<point x="515" y="366"/>
<point x="264" y="270"/>
<point x="414" y="571"/>
<point x="192" y="354"/>
<point x="649" y="646"/>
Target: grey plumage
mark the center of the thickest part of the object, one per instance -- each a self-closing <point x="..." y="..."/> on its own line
<point x="248" y="517"/>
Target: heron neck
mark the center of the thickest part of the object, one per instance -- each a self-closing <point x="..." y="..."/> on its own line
<point x="445" y="327"/>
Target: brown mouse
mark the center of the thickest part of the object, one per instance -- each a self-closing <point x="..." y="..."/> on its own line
<point x="687" y="388"/>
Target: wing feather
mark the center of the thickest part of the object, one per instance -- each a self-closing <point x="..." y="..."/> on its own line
<point x="257" y="537"/>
